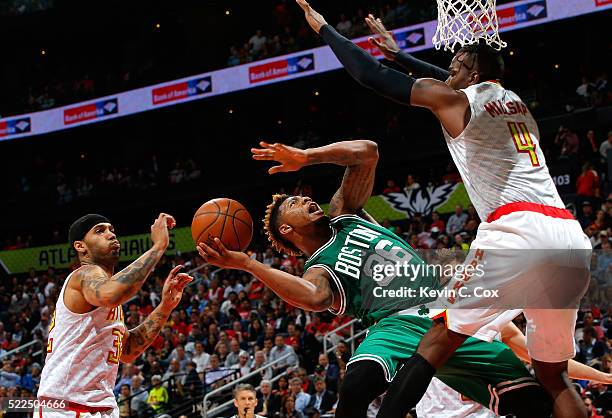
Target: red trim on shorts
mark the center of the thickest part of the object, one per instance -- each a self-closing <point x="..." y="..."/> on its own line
<point x="529" y="207"/>
<point x="441" y="315"/>
<point x="77" y="407"/>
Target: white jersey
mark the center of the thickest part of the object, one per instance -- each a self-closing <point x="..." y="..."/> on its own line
<point x="83" y="352"/>
<point x="440" y="401"/>
<point x="498" y="154"/>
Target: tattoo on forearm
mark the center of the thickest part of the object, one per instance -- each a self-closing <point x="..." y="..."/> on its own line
<point x="139" y="270"/>
<point x="143" y="335"/>
<point x="356" y="188"/>
<point x="133" y="275"/>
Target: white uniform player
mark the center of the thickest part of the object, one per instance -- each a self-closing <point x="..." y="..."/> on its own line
<point x="440" y="401"/>
<point x="83" y="352"/>
<point x="505" y="174"/>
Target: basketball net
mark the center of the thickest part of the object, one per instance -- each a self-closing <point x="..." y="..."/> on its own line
<point x="465" y="22"/>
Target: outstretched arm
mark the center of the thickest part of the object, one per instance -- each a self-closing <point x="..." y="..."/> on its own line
<point x="311" y="292"/>
<point x="450" y="106"/>
<point x="141" y="337"/>
<point x="514" y="338"/>
<point x="359" y="158"/>
<point x="99" y="289"/>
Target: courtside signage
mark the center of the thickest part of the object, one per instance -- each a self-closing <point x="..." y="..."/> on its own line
<point x="17" y="126"/>
<point x="91" y="111"/>
<point x="281" y="68"/>
<point x="179" y="91"/>
<point x="512" y="16"/>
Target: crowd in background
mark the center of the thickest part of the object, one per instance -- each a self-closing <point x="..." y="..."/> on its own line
<point x="229" y="324"/>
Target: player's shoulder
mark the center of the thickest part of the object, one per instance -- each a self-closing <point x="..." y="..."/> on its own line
<point x="86" y="271"/>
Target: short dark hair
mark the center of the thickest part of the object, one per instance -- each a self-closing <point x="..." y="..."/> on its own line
<point x="271" y="225"/>
<point x="243" y="387"/>
<point x="489" y="61"/>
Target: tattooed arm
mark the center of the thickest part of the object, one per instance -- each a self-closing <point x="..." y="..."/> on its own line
<point x="99" y="289"/>
<point x="139" y="338"/>
<point x="359" y="158"/>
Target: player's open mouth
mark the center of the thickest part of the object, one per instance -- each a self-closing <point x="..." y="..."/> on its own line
<point x="313" y="208"/>
<point x="115" y="245"/>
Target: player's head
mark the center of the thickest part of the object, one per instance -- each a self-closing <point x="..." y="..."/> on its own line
<point x="93" y="237"/>
<point x="289" y="218"/>
<point x="474" y="64"/>
<point x="245" y="398"/>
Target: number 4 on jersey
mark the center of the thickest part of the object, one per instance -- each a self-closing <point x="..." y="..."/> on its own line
<point x="523" y="142"/>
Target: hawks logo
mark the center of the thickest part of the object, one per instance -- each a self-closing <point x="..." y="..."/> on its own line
<point x="423" y="200"/>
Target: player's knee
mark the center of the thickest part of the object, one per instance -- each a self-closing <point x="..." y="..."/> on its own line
<point x="552" y="376"/>
<point x="353" y="387"/>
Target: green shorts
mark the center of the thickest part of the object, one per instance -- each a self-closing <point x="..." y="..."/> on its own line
<point x="479" y="370"/>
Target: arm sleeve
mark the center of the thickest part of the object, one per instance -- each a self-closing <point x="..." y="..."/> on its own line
<point x="421" y="68"/>
<point x="367" y="70"/>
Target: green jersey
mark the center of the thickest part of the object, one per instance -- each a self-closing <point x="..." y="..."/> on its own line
<point x="375" y="271"/>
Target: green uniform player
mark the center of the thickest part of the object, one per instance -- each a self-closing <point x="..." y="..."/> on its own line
<point x="478" y="370"/>
<point x="346" y="272"/>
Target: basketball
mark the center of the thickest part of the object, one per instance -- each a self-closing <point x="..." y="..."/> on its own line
<point x="225" y="219"/>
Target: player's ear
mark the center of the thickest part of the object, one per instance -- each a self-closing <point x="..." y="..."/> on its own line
<point x="285" y="229"/>
<point x="80" y="247"/>
<point x="474" y="77"/>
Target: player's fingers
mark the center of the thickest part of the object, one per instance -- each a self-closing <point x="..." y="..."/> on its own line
<point x="175" y="270"/>
<point x="264" y="144"/>
<point x="184" y="280"/>
<point x="220" y="247"/>
<point x="277" y="169"/>
<point x="208" y="250"/>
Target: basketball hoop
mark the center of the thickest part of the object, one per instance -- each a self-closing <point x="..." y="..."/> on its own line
<point x="465" y="22"/>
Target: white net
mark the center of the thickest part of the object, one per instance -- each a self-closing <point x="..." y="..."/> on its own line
<point x="465" y="22"/>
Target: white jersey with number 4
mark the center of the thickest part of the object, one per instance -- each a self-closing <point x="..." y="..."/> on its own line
<point x="83" y="352"/>
<point x="498" y="154"/>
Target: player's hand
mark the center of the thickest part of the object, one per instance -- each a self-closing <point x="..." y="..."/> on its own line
<point x="314" y="18"/>
<point x="290" y="158"/>
<point x="173" y="288"/>
<point x="159" y="230"/>
<point x="221" y="256"/>
<point x="385" y="41"/>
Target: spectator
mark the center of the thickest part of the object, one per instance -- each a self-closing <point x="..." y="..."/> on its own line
<point x="288" y="410"/>
<point x="587" y="217"/>
<point x="158" y="395"/>
<point x="138" y="404"/>
<point x="568" y="141"/>
<point x="280" y="350"/>
<point x="586" y="91"/>
<point x="8" y="377"/>
<point x="587" y="184"/>
<point x="411" y="184"/>
<point x="456" y="221"/>
<point x="257" y="44"/>
<point x="330" y="371"/>
<point x="344" y="26"/>
<point x="243" y="364"/>
<point x="590" y="348"/>
<point x="192" y="384"/>
<point x="268" y="403"/>
<point x="123" y="401"/>
<point x="323" y="400"/>
<point x="591" y="411"/>
<point x="391" y="187"/>
<point x="436" y="222"/>
<point x="234" y="356"/>
<point x="301" y="399"/>
<point x="200" y="357"/>
<point x="588" y="322"/>
<point x="215" y="374"/>
<point x="174" y="370"/>
<point x="605" y="147"/>
<point x="259" y="361"/>
<point x="181" y="355"/>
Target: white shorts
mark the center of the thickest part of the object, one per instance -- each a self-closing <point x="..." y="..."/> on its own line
<point x="69" y="413"/>
<point x="536" y="264"/>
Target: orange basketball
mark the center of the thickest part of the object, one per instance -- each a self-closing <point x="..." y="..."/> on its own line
<point x="225" y="219"/>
